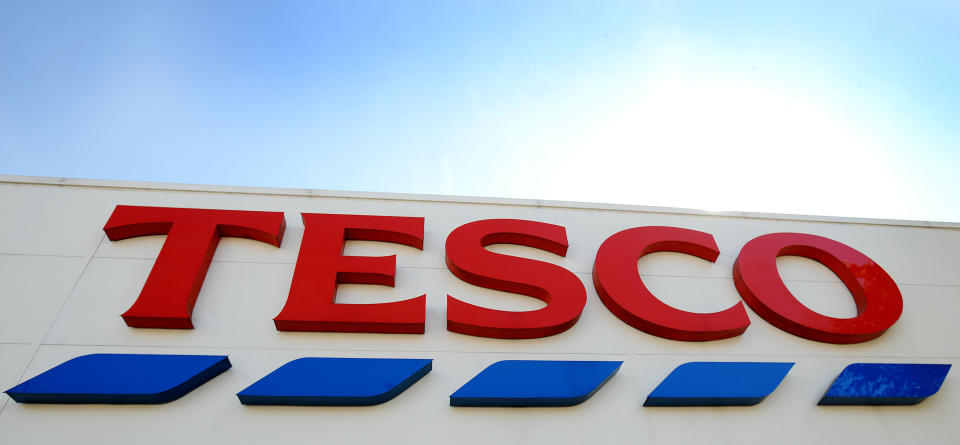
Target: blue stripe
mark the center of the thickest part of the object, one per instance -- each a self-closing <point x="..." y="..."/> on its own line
<point x="535" y="383"/>
<point x="324" y="381"/>
<point x="885" y="384"/>
<point x="718" y="384"/>
<point x="121" y="379"/>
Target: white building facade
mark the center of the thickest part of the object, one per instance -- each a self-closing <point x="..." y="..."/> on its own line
<point x="64" y="285"/>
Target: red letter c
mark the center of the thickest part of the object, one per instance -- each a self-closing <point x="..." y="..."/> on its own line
<point x="623" y="292"/>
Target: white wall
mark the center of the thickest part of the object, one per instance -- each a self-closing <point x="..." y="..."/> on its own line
<point x="63" y="286"/>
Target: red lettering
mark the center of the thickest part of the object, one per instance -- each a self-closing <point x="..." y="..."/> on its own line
<point x="321" y="266"/>
<point x="876" y="295"/>
<point x="622" y="290"/>
<point x="559" y="288"/>
<point x="168" y="297"/>
<point x="170" y="292"/>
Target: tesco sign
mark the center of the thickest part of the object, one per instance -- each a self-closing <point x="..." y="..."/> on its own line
<point x="169" y="294"/>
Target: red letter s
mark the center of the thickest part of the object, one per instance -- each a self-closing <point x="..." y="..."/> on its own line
<point x="559" y="288"/>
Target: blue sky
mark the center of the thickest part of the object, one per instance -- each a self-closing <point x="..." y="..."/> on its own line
<point x="833" y="108"/>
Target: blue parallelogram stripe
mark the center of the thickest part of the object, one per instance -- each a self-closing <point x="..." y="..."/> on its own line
<point x="535" y="383"/>
<point x="718" y="384"/>
<point x="120" y="379"/>
<point x="324" y="381"/>
<point x="885" y="384"/>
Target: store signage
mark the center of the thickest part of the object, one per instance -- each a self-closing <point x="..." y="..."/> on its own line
<point x="338" y="381"/>
<point x="169" y="294"/>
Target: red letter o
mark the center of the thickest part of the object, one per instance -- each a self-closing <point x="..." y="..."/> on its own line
<point x="876" y="295"/>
